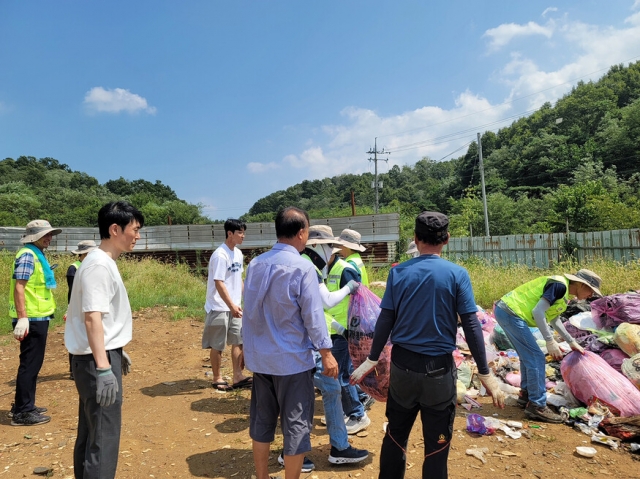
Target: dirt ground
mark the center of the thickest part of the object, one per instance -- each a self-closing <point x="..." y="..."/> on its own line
<point x="176" y="425"/>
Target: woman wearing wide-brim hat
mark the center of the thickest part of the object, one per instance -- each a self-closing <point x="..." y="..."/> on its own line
<point x="539" y="303"/>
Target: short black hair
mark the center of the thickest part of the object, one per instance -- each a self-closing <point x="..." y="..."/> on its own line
<point x="117" y="212"/>
<point x="290" y="221"/>
<point x="233" y="225"/>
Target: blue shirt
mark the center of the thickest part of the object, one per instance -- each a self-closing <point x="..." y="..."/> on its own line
<point x="24" y="267"/>
<point x="283" y="318"/>
<point x="427" y="293"/>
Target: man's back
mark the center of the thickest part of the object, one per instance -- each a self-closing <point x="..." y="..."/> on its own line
<point x="427" y="294"/>
<point x="283" y="315"/>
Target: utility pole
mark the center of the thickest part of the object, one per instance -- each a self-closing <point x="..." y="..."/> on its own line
<point x="375" y="154"/>
<point x="484" y="193"/>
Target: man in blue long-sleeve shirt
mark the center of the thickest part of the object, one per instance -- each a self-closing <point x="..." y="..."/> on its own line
<point x="283" y="322"/>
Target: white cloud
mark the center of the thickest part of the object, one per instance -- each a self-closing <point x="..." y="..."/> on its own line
<point x="117" y="100"/>
<point x="635" y="5"/>
<point x="551" y="9"/>
<point x="503" y="34"/>
<point x="256" y="167"/>
<point x="592" y="50"/>
<point x="587" y="50"/>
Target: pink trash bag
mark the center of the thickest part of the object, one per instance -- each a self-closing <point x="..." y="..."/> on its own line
<point x="364" y="309"/>
<point x="590" y="377"/>
<point x="610" y="311"/>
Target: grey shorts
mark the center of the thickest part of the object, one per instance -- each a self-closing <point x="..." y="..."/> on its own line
<point x="289" y="397"/>
<point x="220" y="329"/>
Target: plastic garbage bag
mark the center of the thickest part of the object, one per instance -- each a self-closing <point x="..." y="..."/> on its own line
<point x="611" y="387"/>
<point x="627" y="337"/>
<point x="614" y="357"/>
<point x="631" y="369"/>
<point x="481" y="425"/>
<point x="610" y="311"/>
<point x="364" y="309"/>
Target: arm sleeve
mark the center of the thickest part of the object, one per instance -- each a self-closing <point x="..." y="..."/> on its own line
<point x="538" y="314"/>
<point x="473" y="334"/>
<point x="553" y="291"/>
<point x="384" y="325"/>
<point x="329" y="300"/>
<point x="349" y="274"/>
<point x="556" y="323"/>
<point x="24" y="267"/>
<point x="312" y="312"/>
<point x="97" y="289"/>
<point x="220" y="264"/>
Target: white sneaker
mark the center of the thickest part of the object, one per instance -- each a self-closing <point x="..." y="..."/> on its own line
<point x="355" y="425"/>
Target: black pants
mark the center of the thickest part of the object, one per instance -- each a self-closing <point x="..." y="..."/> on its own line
<point x="434" y="397"/>
<point x="32" y="349"/>
<point x="95" y="455"/>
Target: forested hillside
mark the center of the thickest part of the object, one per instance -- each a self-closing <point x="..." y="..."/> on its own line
<point x="570" y="165"/>
<point x="45" y="188"/>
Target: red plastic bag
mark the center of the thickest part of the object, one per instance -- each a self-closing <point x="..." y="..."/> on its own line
<point x="591" y="376"/>
<point x="364" y="309"/>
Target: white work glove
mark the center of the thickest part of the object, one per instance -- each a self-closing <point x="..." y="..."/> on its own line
<point x="576" y="347"/>
<point x="553" y="348"/>
<point x="365" y="368"/>
<point x="107" y="387"/>
<point x="353" y="286"/>
<point x="491" y="384"/>
<point x="126" y="364"/>
<point x="22" y="329"/>
<point x="337" y="327"/>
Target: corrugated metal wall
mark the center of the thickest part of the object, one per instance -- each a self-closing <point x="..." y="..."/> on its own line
<point x="194" y="243"/>
<point x="542" y="250"/>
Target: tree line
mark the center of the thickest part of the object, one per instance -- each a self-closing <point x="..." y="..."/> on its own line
<point x="568" y="166"/>
<point x="33" y="188"/>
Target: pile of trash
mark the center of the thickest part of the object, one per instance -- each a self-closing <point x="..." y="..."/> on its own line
<point x="596" y="393"/>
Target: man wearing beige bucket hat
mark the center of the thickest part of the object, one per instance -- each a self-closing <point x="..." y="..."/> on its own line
<point x="539" y="303"/>
<point x="31" y="306"/>
<point x="350" y="250"/>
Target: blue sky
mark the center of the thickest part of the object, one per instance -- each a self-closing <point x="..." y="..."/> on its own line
<point x="228" y="101"/>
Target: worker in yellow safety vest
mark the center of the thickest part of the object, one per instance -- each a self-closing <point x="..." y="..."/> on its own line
<point x="31" y="306"/>
<point x="350" y="250"/>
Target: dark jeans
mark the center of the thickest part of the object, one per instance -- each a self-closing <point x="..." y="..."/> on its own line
<point x="351" y="404"/>
<point x="431" y="396"/>
<point x="95" y="455"/>
<point x="32" y="349"/>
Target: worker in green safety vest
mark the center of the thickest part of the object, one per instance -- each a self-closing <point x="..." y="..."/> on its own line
<point x="31" y="306"/>
<point x="350" y="250"/>
<point x="539" y="303"/>
<point x="339" y="274"/>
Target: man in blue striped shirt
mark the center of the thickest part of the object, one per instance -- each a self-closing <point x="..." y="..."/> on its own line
<point x="283" y="322"/>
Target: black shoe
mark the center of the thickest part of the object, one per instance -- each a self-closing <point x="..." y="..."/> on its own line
<point x="39" y="410"/>
<point x="523" y="398"/>
<point x="30" y="418"/>
<point x="307" y="465"/>
<point x="350" y="455"/>
<point x="544" y="414"/>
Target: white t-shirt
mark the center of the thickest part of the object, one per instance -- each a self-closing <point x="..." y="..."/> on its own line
<point x="98" y="286"/>
<point x="225" y="265"/>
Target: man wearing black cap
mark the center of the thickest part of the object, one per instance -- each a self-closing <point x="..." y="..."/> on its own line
<point x="420" y="310"/>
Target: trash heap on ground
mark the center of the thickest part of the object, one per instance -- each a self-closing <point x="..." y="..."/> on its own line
<point x="596" y="393"/>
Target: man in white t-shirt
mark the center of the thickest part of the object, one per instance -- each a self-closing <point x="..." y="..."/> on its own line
<point x="99" y="325"/>
<point x="223" y="323"/>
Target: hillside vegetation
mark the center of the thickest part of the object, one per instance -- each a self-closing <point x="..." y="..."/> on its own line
<point x="45" y="188"/>
<point x="542" y="174"/>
